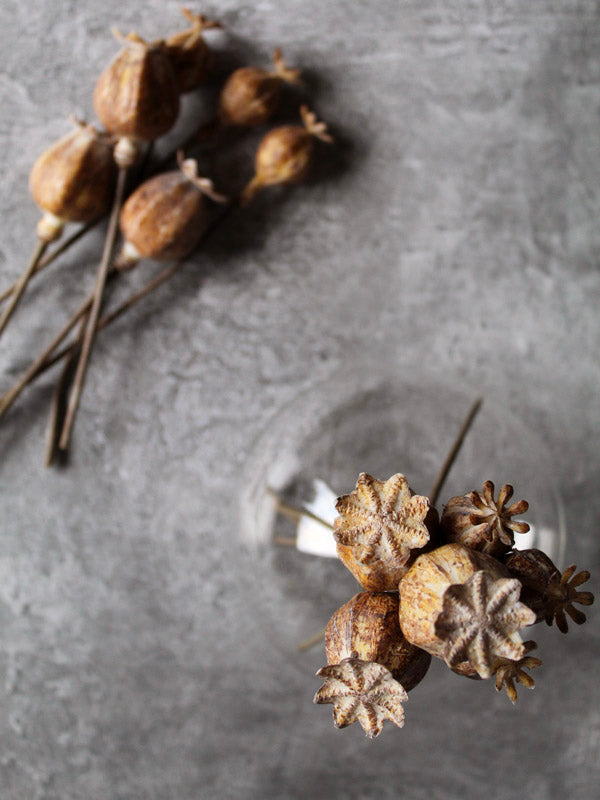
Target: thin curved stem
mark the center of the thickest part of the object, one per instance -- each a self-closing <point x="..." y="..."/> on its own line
<point x="454" y="450"/>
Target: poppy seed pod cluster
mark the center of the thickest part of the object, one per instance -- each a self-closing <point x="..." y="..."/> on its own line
<point x="161" y="213"/>
<point x="445" y="596"/>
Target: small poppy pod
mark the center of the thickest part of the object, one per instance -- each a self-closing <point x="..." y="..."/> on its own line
<point x="136" y="97"/>
<point x="371" y="666"/>
<point x="462" y="606"/>
<point x="368" y="627"/>
<point x="549" y="593"/>
<point x="285" y="154"/>
<point x="190" y="56"/>
<point x="382" y="526"/>
<point x="165" y="217"/>
<point x="73" y="180"/>
<point x="480" y="522"/>
<point x="250" y="95"/>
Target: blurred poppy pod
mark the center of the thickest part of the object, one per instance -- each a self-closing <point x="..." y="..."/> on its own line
<point x="73" y="180"/>
<point x="250" y="95"/>
<point x="190" y="56"/>
<point x="165" y="217"/>
<point x="285" y="154"/>
<point x="136" y="97"/>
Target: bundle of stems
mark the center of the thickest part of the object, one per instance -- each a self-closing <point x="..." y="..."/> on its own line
<point x="166" y="216"/>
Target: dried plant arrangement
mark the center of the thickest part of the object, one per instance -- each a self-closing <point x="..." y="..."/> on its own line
<point x="453" y="586"/>
<point x="96" y="171"/>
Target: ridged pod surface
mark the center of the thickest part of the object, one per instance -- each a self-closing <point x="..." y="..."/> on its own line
<point x="381" y="525"/>
<point x="462" y="606"/>
<point x="549" y="593"/>
<point x="483" y="523"/>
<point x="371" y="665"/>
<point x="367" y="627"/>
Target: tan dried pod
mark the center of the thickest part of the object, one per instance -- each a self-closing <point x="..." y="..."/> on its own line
<point x="548" y="592"/>
<point x="462" y="606"/>
<point x="165" y="217"/>
<point x="380" y="527"/>
<point x="250" y="95"/>
<point x="190" y="56"/>
<point x="73" y="180"/>
<point x="478" y="521"/>
<point x="136" y="97"/>
<point x="285" y="154"/>
<point x="371" y="666"/>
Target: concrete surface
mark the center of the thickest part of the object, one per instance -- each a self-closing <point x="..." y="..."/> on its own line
<point x="453" y="231"/>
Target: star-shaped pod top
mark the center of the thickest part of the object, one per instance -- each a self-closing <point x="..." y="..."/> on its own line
<point x="480" y="522"/>
<point x="380" y="525"/>
<point x="362" y="691"/>
<point x="463" y="606"/>
<point x="480" y="622"/>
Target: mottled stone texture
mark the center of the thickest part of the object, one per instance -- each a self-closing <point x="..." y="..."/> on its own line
<point x="457" y="224"/>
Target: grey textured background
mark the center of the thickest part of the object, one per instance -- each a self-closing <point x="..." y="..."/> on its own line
<point x="454" y="228"/>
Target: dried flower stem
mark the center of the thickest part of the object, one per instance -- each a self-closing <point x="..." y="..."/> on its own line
<point x="50" y="257"/>
<point x="9" y="397"/>
<point x="106" y="320"/>
<point x="59" y="398"/>
<point x="21" y="284"/>
<point x="312" y="641"/>
<point x="294" y="512"/>
<point x="285" y="541"/>
<point x="49" y="357"/>
<point x="453" y="453"/>
<point x="90" y="331"/>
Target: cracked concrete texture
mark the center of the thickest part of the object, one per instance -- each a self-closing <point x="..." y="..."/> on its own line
<point x="454" y="232"/>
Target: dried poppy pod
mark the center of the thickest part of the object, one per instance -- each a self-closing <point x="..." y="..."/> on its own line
<point x="482" y="523"/>
<point x="285" y="154"/>
<point x="546" y="591"/>
<point x="166" y="216"/>
<point x="190" y="56"/>
<point x="136" y="97"/>
<point x="380" y="526"/>
<point x="371" y="666"/>
<point x="250" y="95"/>
<point x="462" y="606"/>
<point x="73" y="180"/>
